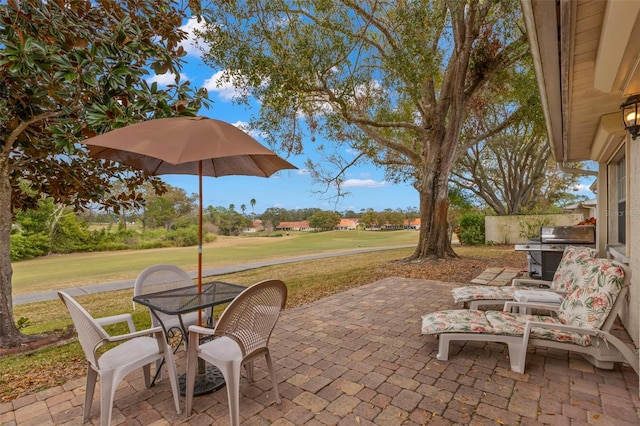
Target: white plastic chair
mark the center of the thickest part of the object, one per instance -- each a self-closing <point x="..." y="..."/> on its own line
<point x="167" y="277"/>
<point x="243" y="333"/>
<point x="136" y="349"/>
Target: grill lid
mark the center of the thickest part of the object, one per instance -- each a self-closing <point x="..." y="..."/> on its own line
<point x="579" y="234"/>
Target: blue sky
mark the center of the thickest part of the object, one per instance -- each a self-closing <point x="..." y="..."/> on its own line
<point x="289" y="189"/>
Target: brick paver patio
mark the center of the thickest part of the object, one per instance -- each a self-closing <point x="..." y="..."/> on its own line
<point x="358" y="358"/>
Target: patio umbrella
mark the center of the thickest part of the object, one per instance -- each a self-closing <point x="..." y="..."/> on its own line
<point x="188" y="145"/>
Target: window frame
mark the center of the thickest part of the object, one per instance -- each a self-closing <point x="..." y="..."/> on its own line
<point x="617" y="217"/>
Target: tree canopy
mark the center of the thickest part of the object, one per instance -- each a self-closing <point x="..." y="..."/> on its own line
<point x="324" y="220"/>
<point x="70" y="69"/>
<point x="513" y="172"/>
<point x="390" y="82"/>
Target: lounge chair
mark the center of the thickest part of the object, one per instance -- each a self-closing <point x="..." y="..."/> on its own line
<point x="483" y="295"/>
<point x="583" y="321"/>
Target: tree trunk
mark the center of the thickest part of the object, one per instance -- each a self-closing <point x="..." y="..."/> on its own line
<point x="9" y="334"/>
<point x="434" y="241"/>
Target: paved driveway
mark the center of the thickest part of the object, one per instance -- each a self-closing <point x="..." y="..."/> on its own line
<point x="358" y="358"/>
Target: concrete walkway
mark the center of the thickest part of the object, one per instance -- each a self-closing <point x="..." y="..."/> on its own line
<point x="21" y="299"/>
<point x="358" y="358"/>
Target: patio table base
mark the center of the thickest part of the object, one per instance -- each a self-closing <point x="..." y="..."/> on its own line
<point x="207" y="382"/>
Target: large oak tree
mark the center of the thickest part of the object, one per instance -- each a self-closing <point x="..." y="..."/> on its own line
<point x="513" y="172"/>
<point x="391" y="80"/>
<point x="70" y="69"/>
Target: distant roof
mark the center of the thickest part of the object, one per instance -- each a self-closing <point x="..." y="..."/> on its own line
<point x="299" y="224"/>
<point x="581" y="204"/>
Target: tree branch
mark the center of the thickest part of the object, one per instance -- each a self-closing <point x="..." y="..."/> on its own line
<point x="23" y="125"/>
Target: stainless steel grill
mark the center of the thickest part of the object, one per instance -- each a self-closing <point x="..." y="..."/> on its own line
<point x="544" y="253"/>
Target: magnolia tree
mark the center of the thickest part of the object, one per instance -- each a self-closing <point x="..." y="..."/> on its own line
<point x="392" y="81"/>
<point x="71" y="69"/>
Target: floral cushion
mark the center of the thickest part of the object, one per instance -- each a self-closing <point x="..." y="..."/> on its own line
<point x="587" y="305"/>
<point x="513" y="324"/>
<point x="456" y="321"/>
<point x="495" y="322"/>
<point x="482" y="292"/>
<point x="567" y="274"/>
<point x="571" y="267"/>
<point x="589" y="302"/>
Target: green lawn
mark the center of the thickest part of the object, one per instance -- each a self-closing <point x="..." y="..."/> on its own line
<point x="306" y="281"/>
<point x="62" y="271"/>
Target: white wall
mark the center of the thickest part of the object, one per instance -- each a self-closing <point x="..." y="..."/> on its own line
<point x="508" y="229"/>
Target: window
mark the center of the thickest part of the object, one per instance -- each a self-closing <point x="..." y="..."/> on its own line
<point x="621" y="195"/>
<point x="617" y="202"/>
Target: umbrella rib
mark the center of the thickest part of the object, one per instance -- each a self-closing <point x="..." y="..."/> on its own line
<point x="258" y="165"/>
<point x="213" y="166"/>
<point x="156" y="168"/>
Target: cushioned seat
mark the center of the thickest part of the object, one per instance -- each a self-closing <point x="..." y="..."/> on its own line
<point x="482" y="295"/>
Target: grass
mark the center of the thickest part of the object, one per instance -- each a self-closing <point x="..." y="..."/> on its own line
<point x="63" y="271"/>
<point x="306" y="281"/>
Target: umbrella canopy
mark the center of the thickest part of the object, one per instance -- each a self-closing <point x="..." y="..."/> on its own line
<point x="177" y="145"/>
<point x="188" y="145"/>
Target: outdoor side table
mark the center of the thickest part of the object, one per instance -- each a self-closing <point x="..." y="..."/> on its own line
<point x="187" y="299"/>
<point x="537" y="296"/>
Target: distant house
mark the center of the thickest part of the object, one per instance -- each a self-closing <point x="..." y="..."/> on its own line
<point x="586" y="208"/>
<point x="302" y="225"/>
<point x="412" y="224"/>
<point x="389" y="227"/>
<point x="347" y="224"/>
<point x="255" y="227"/>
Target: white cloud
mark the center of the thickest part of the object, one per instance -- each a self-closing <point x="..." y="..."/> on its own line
<point x="302" y="172"/>
<point x="166" y="78"/>
<point x="583" y="189"/>
<point x="372" y="88"/>
<point x="363" y="183"/>
<point x="244" y="126"/>
<point x="225" y="90"/>
<point x="190" y="45"/>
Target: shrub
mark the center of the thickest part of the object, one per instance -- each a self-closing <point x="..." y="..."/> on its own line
<point x="472" y="229"/>
<point x="70" y="235"/>
<point x="111" y="246"/>
<point x="530" y="228"/>
<point x="183" y="237"/>
<point x="143" y="245"/>
<point x="28" y="246"/>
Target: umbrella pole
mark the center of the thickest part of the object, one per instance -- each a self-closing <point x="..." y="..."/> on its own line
<point x="201" y="365"/>
<point x="200" y="236"/>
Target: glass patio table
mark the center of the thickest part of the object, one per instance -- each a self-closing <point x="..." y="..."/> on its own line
<point x="183" y="300"/>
